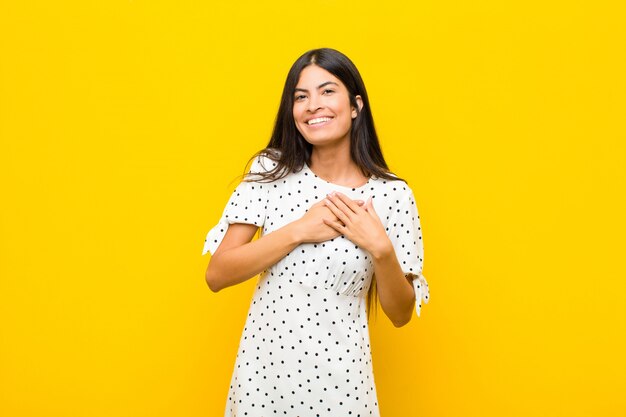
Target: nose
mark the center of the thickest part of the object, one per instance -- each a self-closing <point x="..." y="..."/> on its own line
<point x="314" y="103"/>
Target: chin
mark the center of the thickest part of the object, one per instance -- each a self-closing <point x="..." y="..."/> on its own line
<point x="325" y="140"/>
<point x="321" y="140"/>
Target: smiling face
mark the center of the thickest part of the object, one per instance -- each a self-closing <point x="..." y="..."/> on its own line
<point x="321" y="107"/>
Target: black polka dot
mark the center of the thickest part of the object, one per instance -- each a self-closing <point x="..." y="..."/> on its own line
<point x="306" y="331"/>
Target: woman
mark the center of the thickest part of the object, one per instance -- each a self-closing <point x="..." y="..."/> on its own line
<point x="335" y="224"/>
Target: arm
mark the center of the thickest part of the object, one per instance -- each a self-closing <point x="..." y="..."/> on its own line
<point x="363" y="227"/>
<point x="397" y="297"/>
<point x="237" y="259"/>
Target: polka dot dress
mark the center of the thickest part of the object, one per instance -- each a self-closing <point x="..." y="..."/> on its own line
<point x="305" y="347"/>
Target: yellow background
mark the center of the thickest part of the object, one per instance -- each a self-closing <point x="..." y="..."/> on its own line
<point x="125" y="123"/>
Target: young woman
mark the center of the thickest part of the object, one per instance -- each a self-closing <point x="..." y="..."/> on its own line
<point x="335" y="225"/>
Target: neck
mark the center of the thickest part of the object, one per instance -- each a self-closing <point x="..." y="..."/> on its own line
<point x="333" y="163"/>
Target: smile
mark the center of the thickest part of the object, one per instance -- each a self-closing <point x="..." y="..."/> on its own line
<point x="319" y="120"/>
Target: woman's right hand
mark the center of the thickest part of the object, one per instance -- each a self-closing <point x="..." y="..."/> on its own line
<point x="311" y="226"/>
<point x="239" y="258"/>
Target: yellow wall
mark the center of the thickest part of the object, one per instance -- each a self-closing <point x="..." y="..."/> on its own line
<point x="123" y="124"/>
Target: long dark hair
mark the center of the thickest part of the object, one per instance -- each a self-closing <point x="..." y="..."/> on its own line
<point x="288" y="148"/>
<point x="294" y="151"/>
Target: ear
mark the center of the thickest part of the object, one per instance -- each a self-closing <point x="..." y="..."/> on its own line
<point x="359" y="102"/>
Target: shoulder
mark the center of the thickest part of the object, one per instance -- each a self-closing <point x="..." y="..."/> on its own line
<point x="264" y="165"/>
<point x="395" y="190"/>
<point x="265" y="160"/>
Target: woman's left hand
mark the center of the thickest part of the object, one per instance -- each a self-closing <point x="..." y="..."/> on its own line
<point x="360" y="224"/>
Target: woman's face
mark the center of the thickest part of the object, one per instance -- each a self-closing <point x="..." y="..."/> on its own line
<point x="321" y="107"/>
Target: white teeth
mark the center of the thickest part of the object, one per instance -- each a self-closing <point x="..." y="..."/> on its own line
<point x="318" y="120"/>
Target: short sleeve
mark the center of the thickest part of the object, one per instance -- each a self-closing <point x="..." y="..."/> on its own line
<point x="247" y="204"/>
<point x="405" y="233"/>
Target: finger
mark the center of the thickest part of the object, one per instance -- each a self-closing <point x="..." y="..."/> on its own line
<point x="336" y="210"/>
<point x="369" y="206"/>
<point x="347" y="201"/>
<point x="338" y="226"/>
<point x="341" y="204"/>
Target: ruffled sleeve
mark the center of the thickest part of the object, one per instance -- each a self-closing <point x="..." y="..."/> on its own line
<point x="247" y="204"/>
<point x="405" y="233"/>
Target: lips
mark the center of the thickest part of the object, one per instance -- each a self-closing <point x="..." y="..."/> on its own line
<point x="318" y="121"/>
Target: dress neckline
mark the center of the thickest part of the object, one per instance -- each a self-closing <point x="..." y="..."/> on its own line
<point x="317" y="177"/>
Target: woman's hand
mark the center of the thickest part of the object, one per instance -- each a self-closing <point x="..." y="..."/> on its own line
<point x="313" y="227"/>
<point x="359" y="223"/>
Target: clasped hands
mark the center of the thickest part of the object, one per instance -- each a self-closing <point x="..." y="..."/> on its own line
<point x="357" y="221"/>
<point x="338" y="215"/>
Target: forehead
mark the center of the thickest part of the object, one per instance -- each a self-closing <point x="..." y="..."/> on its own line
<point x="312" y="76"/>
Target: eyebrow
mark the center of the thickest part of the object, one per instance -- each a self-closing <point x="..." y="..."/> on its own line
<point x="319" y="86"/>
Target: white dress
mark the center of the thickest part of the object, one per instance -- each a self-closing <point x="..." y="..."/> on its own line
<point x="305" y="347"/>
